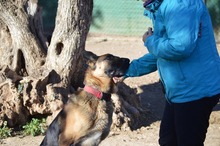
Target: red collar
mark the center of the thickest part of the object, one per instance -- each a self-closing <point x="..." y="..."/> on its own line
<point x="93" y="91"/>
<point x="97" y="93"/>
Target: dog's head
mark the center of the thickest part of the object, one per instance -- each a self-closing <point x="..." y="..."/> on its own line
<point x="106" y="65"/>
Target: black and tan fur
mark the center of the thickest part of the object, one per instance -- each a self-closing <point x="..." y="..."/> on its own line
<point x="85" y="120"/>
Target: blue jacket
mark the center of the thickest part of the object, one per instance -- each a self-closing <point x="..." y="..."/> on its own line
<point x="183" y="49"/>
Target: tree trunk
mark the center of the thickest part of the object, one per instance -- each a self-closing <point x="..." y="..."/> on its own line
<point x="37" y="75"/>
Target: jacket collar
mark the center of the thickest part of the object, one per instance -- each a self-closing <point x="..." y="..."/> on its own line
<point x="151" y="7"/>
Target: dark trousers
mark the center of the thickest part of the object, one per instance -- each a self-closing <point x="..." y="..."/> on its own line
<point x="186" y="124"/>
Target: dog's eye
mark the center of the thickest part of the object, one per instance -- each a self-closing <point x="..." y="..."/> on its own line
<point x="110" y="72"/>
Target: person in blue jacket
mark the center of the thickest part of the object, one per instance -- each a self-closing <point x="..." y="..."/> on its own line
<point x="182" y="48"/>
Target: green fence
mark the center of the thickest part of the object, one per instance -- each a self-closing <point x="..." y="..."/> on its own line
<point x="121" y="17"/>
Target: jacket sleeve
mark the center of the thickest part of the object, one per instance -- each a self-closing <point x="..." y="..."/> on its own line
<point x="144" y="65"/>
<point x="181" y="22"/>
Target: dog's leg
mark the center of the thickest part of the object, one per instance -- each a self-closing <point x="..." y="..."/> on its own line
<point x="92" y="139"/>
<point x="52" y="134"/>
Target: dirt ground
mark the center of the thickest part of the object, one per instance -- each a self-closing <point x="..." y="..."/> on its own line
<point x="150" y="94"/>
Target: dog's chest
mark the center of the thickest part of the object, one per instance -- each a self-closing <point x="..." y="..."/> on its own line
<point x="91" y="105"/>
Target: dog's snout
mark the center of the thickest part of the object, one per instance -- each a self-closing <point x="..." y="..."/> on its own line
<point x="125" y="60"/>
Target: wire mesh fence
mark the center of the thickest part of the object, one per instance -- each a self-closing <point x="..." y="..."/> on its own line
<point x="120" y="17"/>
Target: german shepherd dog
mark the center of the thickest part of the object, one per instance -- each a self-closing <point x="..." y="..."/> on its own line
<point x="86" y="118"/>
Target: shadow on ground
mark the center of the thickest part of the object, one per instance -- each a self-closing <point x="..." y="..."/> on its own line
<point x="152" y="98"/>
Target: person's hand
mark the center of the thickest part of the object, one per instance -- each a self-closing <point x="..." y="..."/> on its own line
<point x="147" y="34"/>
<point x="118" y="79"/>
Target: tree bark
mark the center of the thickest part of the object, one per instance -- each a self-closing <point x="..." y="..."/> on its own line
<point x="69" y="38"/>
<point x="23" y="41"/>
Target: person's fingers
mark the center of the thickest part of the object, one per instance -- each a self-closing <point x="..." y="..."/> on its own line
<point x="145" y="36"/>
<point x="150" y="30"/>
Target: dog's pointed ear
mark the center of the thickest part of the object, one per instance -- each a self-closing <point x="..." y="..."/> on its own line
<point x="90" y="58"/>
